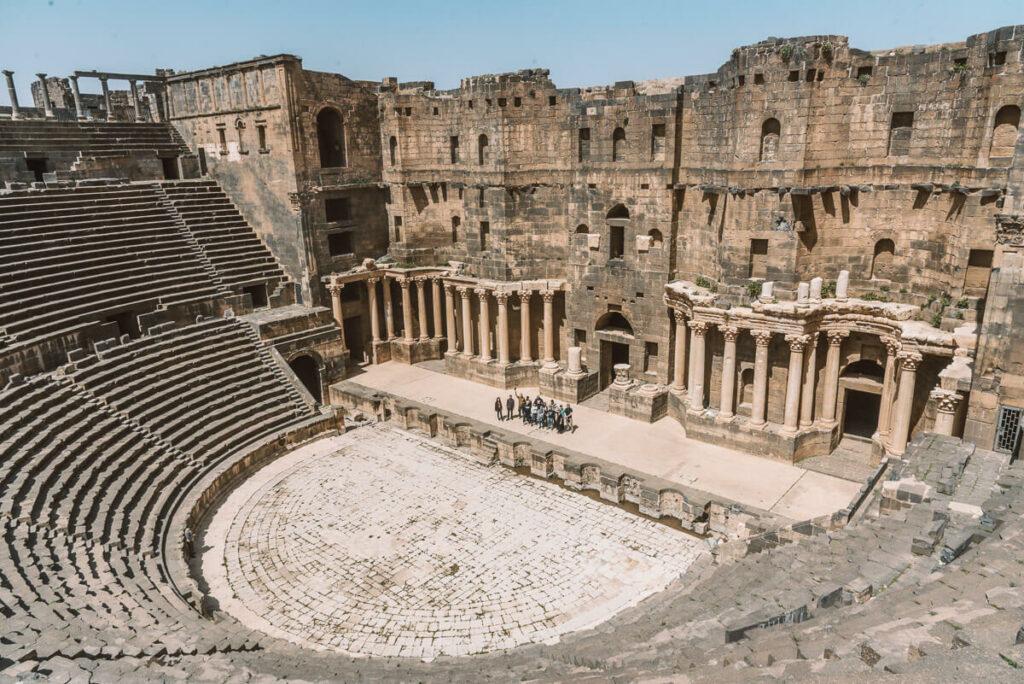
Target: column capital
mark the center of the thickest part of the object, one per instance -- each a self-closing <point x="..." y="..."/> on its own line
<point x="435" y="278"/>
<point x="335" y="288"/>
<point x="6" y="72"/>
<point x="464" y="291"/>
<point x="72" y="77"/>
<point x="946" y="401"/>
<point x="403" y="282"/>
<point x="836" y="337"/>
<point x="798" y="343"/>
<point x="548" y="295"/>
<point x="501" y="297"/>
<point x="42" y="77"/>
<point x="892" y="345"/>
<point x="373" y="280"/>
<point x="730" y="332"/>
<point x="481" y="292"/>
<point x="762" y="338"/>
<point x="910" y="360"/>
<point x="700" y="328"/>
<point x="679" y="316"/>
<point x="103" y="79"/>
<point x="524" y="295"/>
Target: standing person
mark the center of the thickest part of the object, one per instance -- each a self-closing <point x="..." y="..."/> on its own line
<point x="510" y="405"/>
<point x="497" y="408"/>
<point x="560" y="420"/>
<point x="568" y="419"/>
<point x="189" y="548"/>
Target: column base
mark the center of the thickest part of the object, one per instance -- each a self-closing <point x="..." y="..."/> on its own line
<point x="678" y="391"/>
<point x="550" y="364"/>
<point x="724" y="417"/>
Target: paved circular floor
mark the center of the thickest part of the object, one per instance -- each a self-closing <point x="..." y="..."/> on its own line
<point x="380" y="542"/>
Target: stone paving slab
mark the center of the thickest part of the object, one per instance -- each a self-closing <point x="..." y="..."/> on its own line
<point x="381" y="542"/>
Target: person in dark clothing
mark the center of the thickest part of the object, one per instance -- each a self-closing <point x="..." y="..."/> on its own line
<point x="510" y="405"/>
<point x="497" y="408"/>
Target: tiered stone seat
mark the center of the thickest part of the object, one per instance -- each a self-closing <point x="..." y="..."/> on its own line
<point x="72" y="255"/>
<point x="234" y="249"/>
<point x="92" y="139"/>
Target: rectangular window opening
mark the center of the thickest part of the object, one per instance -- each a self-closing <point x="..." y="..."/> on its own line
<point x="338" y="209"/>
<point x="340" y="244"/>
<point x="485" y="231"/>
<point x="758" y="266"/>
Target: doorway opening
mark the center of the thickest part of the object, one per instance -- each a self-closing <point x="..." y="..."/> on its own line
<point x="306" y="371"/>
<point x="611" y="354"/>
<point x="354" y="338"/>
<point x="861" y="413"/>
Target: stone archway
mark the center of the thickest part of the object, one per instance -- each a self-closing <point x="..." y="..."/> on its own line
<point x="307" y="370"/>
<point x="615" y="337"/>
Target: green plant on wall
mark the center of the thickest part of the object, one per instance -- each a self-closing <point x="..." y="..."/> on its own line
<point x="827" y="50"/>
<point x="785" y="52"/>
<point x="753" y="290"/>
<point x="863" y="79"/>
<point x="828" y="290"/>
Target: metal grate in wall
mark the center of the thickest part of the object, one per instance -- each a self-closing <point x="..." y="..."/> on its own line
<point x="1007" y="426"/>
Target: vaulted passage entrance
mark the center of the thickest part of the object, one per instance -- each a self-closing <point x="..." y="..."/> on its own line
<point x="861" y="413"/>
<point x="305" y="369"/>
<point x="611" y="354"/>
<point x="615" y="334"/>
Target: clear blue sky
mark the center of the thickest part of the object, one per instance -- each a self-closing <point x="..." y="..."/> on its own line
<point x="583" y="43"/>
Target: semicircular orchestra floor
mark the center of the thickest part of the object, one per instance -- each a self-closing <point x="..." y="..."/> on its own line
<point x="383" y="543"/>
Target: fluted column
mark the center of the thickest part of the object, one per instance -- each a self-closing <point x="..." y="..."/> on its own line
<point x="525" y="352"/>
<point x="467" y="321"/>
<point x="904" y="402"/>
<point x="549" y="328"/>
<point x="335" y="289"/>
<point x="831" y="390"/>
<point x="79" y="111"/>
<point x="485" y="324"/>
<point x="679" y="365"/>
<point x="47" y="105"/>
<point x="106" y="98"/>
<point x="371" y="294"/>
<point x="12" y="93"/>
<point x="698" y="331"/>
<point x="730" y="333"/>
<point x="759" y="402"/>
<point x="885" y="409"/>
<point x="946" y="402"/>
<point x="797" y="345"/>
<point x="810" y="377"/>
<point x="389" y="309"/>
<point x="502" y="299"/>
<point x="421" y="306"/>
<point x="449" y="315"/>
<point x="406" y="309"/>
<point x="435" y="295"/>
<point x="135" y="100"/>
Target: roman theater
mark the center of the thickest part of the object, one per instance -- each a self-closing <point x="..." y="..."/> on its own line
<point x="255" y="319"/>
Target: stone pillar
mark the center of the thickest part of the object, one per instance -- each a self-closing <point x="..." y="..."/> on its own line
<point x="47" y="105"/>
<point x="525" y="353"/>
<point x="79" y="111"/>
<point x="892" y="347"/>
<point x="485" y="325"/>
<point x="135" y="100"/>
<point x="575" y="361"/>
<point x="12" y="93"/>
<point x="406" y="309"/>
<point x="335" y="289"/>
<point x="831" y="392"/>
<point x="389" y="309"/>
<point x="467" y="322"/>
<point x="730" y="333"/>
<point x="843" y="286"/>
<point x="904" y="402"/>
<point x="435" y="295"/>
<point x="762" y="338"/>
<point x="679" y="367"/>
<point x="698" y="330"/>
<point x="106" y="98"/>
<point x="502" y="299"/>
<point x="449" y="318"/>
<point x="371" y="293"/>
<point x="946" y="402"/>
<point x="810" y="378"/>
<point x="797" y="344"/>
<point x="421" y="306"/>
<point x="549" y="328"/>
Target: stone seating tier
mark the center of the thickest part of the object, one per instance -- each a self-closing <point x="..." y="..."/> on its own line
<point x="93" y="139"/>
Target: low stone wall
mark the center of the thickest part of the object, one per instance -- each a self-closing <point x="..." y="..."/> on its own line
<point x="559" y="384"/>
<point x="492" y="374"/>
<point x="416" y="351"/>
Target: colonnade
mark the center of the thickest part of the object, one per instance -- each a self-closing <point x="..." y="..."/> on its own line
<point x="80" y="112"/>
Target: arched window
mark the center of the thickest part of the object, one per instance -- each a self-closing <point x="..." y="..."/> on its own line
<point x="618" y="219"/>
<point x="770" y="131"/>
<point x="582" y="229"/>
<point x="882" y="263"/>
<point x="618" y="144"/>
<point x="456" y="222"/>
<point x="331" y="133"/>
<point x="619" y="211"/>
<point x="393" y="149"/>
<point x="1004" y="132"/>
<point x="614" y="321"/>
<point x="655" y="236"/>
<point x="482" y="148"/>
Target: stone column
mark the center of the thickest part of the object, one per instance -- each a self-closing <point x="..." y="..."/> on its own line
<point x="797" y="344"/>
<point x="549" y="328"/>
<point x="759" y="403"/>
<point x="892" y="347"/>
<point x="904" y="402"/>
<point x="389" y="309"/>
<point x="730" y="333"/>
<point x="406" y="309"/>
<point x="335" y="289"/>
<point x="135" y="100"/>
<point x="698" y="330"/>
<point x="449" y="316"/>
<point x="467" y="322"/>
<point x="525" y="353"/>
<point x="679" y="367"/>
<point x="831" y="391"/>
<point x="946" y="402"/>
<point x="106" y="98"/>
<point x="12" y="93"/>
<point x="47" y="105"/>
<point x="810" y="378"/>
<point x="485" y="325"/>
<point x="371" y="293"/>
<point x="502" y="299"/>
<point x="421" y="306"/>
<point x="79" y="112"/>
<point x="435" y="295"/>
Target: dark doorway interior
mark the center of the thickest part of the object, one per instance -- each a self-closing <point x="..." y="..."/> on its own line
<point x="861" y="413"/>
<point x="305" y="369"/>
<point x="258" y="294"/>
<point x="37" y="166"/>
<point x="354" y="338"/>
<point x="170" y="165"/>
<point x="611" y="354"/>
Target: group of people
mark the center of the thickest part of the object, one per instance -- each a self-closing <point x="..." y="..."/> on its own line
<point x="547" y="415"/>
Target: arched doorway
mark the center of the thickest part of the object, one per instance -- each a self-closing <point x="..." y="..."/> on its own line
<point x="615" y="334"/>
<point x="306" y="370"/>
<point x="331" y="134"/>
<point x="861" y="383"/>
